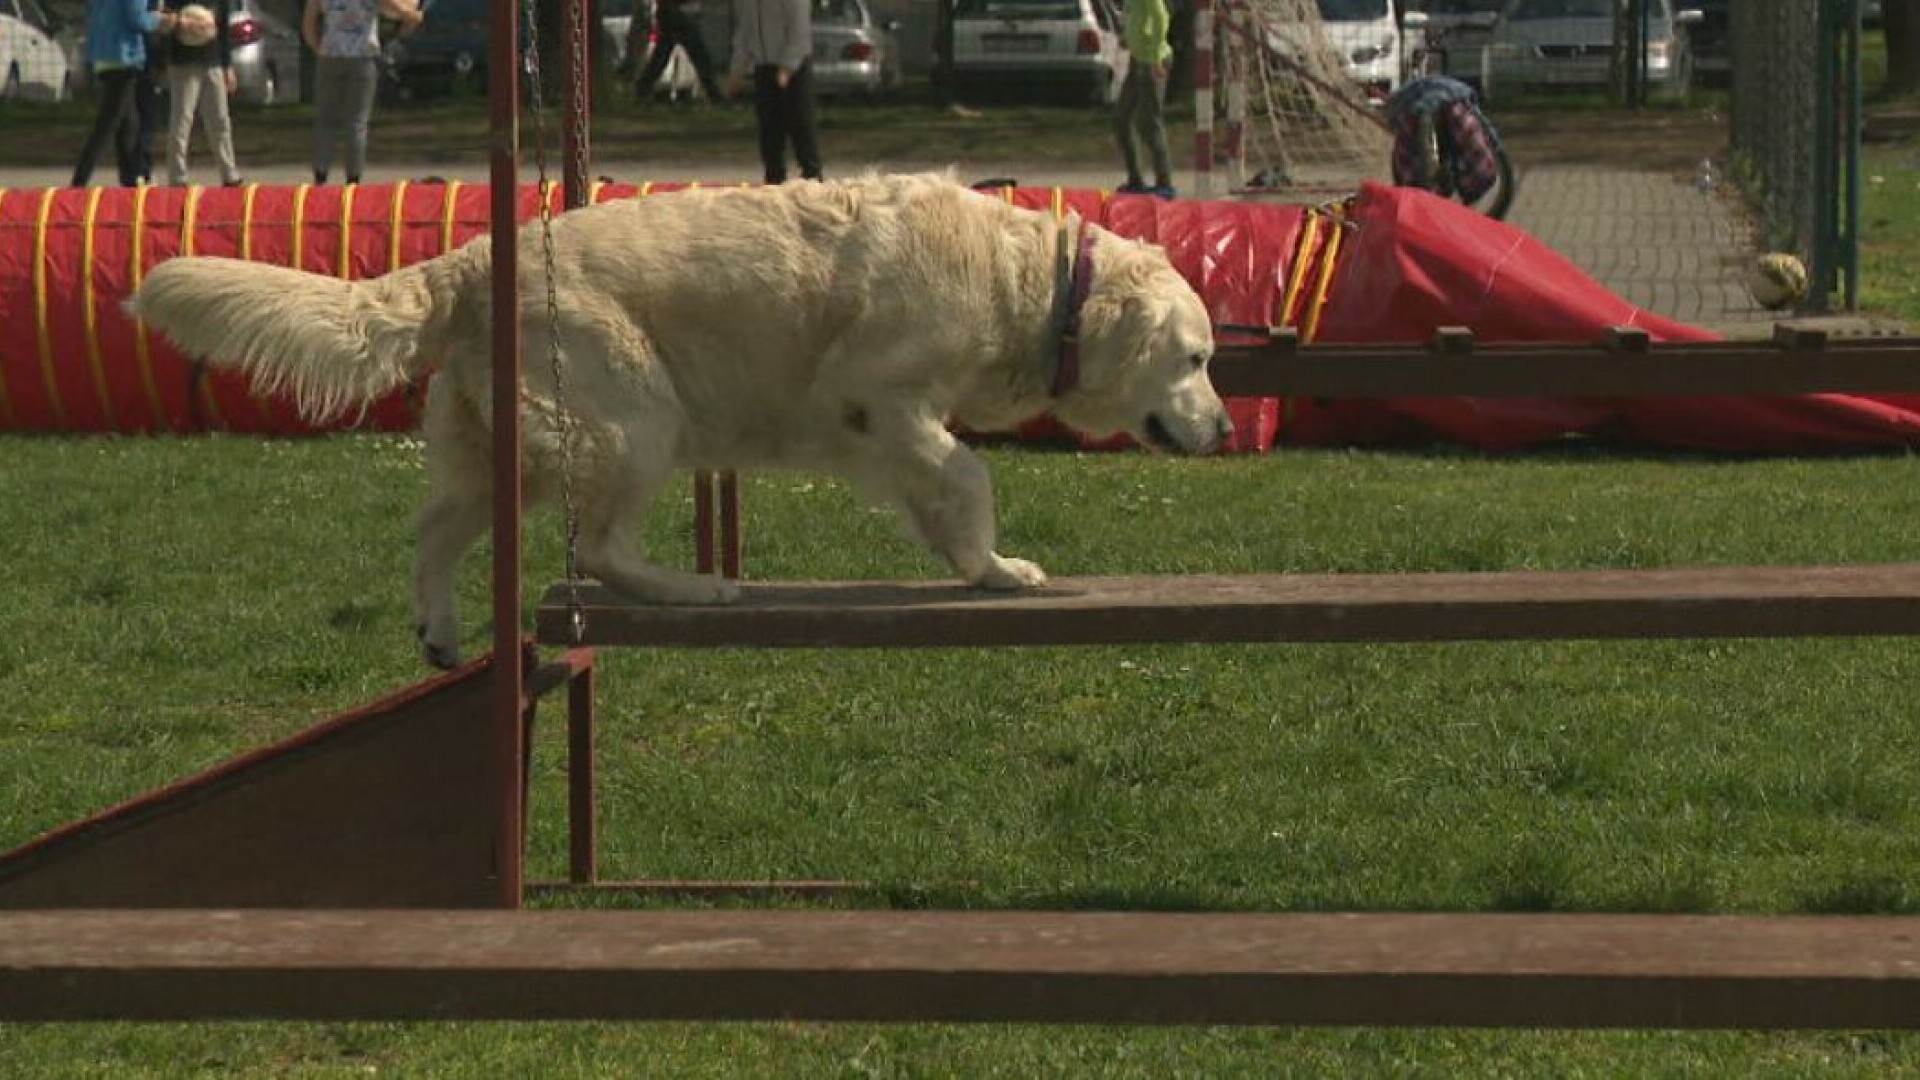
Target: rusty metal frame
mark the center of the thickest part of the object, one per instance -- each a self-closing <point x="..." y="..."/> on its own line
<point x="1559" y="970"/>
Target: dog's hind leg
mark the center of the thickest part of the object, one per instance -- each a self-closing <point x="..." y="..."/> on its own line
<point x="457" y="512"/>
<point x="612" y="504"/>
<point x="915" y="463"/>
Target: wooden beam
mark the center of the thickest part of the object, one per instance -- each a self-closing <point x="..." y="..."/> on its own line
<point x="1795" y="363"/>
<point x="1529" y="605"/>
<point x="1398" y="969"/>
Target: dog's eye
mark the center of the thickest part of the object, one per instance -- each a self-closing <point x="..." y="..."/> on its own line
<point x="1199" y="360"/>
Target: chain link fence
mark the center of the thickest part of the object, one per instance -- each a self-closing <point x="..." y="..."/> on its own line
<point x="1794" y="133"/>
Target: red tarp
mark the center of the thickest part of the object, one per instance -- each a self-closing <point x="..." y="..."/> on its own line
<point x="1400" y="264"/>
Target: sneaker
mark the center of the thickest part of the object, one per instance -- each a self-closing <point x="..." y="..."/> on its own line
<point x="1133" y="187"/>
<point x="1161" y="191"/>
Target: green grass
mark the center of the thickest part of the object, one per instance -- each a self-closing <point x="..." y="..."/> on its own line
<point x="1890" y="229"/>
<point x="173" y="602"/>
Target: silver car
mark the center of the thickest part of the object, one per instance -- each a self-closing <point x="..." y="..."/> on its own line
<point x="1569" y="43"/>
<point x="854" y="53"/>
<point x="1027" y="43"/>
<point x="266" y="55"/>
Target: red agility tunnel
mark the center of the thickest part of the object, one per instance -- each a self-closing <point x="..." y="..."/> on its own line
<point x="70" y="359"/>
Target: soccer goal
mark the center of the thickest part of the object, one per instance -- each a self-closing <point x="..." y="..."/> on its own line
<point x="1302" y="98"/>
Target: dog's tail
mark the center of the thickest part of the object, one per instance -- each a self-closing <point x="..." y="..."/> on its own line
<point x="334" y="345"/>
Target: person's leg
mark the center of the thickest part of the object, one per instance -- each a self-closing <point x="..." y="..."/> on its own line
<point x="362" y="80"/>
<point x="800" y="121"/>
<point x="216" y="119"/>
<point x="1153" y="128"/>
<point x="328" y="106"/>
<point x="114" y="90"/>
<point x="183" y="99"/>
<point x="644" y="82"/>
<point x="686" y="34"/>
<point x="138" y="166"/>
<point x="769" y="113"/>
<point x="1123" y="110"/>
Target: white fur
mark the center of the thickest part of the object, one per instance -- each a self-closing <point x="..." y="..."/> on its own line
<point x="835" y="326"/>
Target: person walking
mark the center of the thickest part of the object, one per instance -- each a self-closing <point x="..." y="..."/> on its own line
<point x="345" y="37"/>
<point x="677" y="25"/>
<point x="117" y="55"/>
<point x="773" y="41"/>
<point x="1139" y="109"/>
<point x="199" y="80"/>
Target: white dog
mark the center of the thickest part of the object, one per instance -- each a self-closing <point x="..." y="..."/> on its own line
<point x="834" y="326"/>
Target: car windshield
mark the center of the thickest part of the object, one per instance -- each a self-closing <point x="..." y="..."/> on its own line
<point x="836" y="12"/>
<point x="1017" y="9"/>
<point x="1353" y="10"/>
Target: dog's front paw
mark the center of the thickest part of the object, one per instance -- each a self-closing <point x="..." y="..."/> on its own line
<point x="445" y="657"/>
<point x="697" y="590"/>
<point x="719" y="591"/>
<point x="1011" y="574"/>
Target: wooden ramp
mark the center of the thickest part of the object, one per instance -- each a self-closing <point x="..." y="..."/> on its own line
<point x="1716" y="602"/>
<point x="1587" y="971"/>
<point x="391" y="805"/>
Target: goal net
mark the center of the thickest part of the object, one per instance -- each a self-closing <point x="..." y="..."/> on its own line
<point x="1302" y="95"/>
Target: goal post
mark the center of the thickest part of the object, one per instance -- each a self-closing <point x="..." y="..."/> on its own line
<point x="1296" y="119"/>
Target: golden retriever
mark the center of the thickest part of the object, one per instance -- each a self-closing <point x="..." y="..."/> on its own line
<point x="832" y="326"/>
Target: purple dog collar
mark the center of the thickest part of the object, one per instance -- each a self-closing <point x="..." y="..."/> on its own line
<point x="1066" y="368"/>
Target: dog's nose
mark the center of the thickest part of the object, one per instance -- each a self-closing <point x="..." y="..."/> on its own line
<point x="1222" y="429"/>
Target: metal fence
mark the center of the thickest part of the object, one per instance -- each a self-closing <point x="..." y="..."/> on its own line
<point x="1795" y="133"/>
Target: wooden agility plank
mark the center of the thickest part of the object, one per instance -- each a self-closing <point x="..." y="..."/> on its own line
<point x="1795" y="363"/>
<point x="1585" y="971"/>
<point x="1784" y="601"/>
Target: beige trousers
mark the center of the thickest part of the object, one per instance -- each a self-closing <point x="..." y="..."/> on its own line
<point x="196" y="90"/>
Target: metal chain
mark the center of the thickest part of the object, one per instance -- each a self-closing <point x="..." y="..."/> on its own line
<point x="563" y="415"/>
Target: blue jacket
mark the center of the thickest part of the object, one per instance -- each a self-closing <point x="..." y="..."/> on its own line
<point x="117" y="32"/>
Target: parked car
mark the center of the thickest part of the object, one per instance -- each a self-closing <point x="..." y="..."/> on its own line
<point x="1451" y="36"/>
<point x="1060" y="43"/>
<point x="853" y="52"/>
<point x="1569" y="43"/>
<point x="1366" y="34"/>
<point x="266" y="55"/>
<point x="34" y="63"/>
<point x="448" y="51"/>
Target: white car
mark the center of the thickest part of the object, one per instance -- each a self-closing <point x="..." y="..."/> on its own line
<point x="1366" y="34"/>
<point x="33" y="63"/>
<point x="1073" y="44"/>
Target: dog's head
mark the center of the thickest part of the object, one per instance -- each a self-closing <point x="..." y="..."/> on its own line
<point x="1145" y="340"/>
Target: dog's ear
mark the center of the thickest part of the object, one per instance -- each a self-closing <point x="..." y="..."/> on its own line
<point x="1119" y="336"/>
